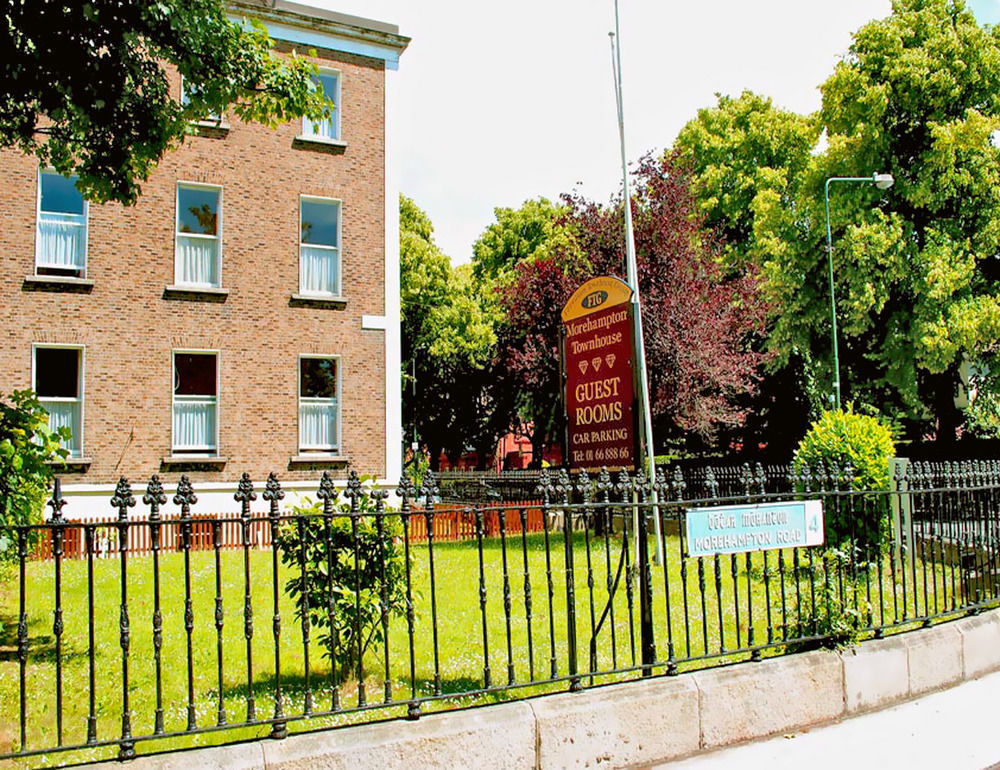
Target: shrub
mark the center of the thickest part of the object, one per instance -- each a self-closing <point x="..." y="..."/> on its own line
<point x="840" y="440"/>
<point x="27" y="446"/>
<point x="304" y="540"/>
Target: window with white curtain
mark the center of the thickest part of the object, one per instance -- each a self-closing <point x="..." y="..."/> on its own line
<point x="319" y="416"/>
<point x="198" y="260"/>
<point x="61" y="241"/>
<point x="58" y="383"/>
<point x="330" y="128"/>
<point x="319" y="246"/>
<point x="195" y="407"/>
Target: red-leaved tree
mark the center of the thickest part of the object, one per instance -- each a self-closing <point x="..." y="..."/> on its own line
<point x="700" y="325"/>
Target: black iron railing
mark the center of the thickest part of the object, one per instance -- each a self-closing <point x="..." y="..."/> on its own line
<point x="374" y="612"/>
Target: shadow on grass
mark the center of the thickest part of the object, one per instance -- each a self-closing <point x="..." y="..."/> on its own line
<point x="293" y="688"/>
<point x="41" y="647"/>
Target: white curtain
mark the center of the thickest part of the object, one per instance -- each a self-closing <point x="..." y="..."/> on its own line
<point x="317" y="423"/>
<point x="197" y="260"/>
<point x="62" y="240"/>
<point x="324" y="129"/>
<point x="319" y="270"/>
<point x="66" y="414"/>
<point x="194" y="423"/>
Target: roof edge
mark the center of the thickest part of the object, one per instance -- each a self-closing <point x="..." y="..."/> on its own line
<point x="320" y="20"/>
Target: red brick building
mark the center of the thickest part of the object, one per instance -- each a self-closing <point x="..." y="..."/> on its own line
<point x="243" y="315"/>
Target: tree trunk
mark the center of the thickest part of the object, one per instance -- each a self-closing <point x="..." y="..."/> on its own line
<point x="949" y="417"/>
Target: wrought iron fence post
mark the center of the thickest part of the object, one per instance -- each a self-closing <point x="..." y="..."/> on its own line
<point x="154" y="498"/>
<point x="564" y="488"/>
<point x="429" y="491"/>
<point x="185" y="498"/>
<point x="662" y="486"/>
<point x="58" y="525"/>
<point x="647" y="642"/>
<point x="487" y="674"/>
<point x="273" y="494"/>
<point x="328" y="493"/>
<point x="355" y="493"/>
<point x="22" y="632"/>
<point x="546" y="489"/>
<point x="123" y="500"/>
<point x="244" y="496"/>
<point x="406" y="492"/>
<point x="379" y="496"/>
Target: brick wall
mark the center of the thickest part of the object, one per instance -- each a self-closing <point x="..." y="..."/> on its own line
<point x="129" y="328"/>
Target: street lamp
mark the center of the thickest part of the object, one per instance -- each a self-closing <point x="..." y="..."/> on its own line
<point x="882" y="182"/>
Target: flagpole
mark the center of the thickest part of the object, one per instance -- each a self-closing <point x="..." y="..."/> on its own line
<point x="632" y="276"/>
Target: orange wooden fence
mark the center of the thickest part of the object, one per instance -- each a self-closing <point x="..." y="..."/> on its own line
<point x="450" y="524"/>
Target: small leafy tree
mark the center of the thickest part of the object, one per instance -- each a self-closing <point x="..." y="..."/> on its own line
<point x="322" y="552"/>
<point x="27" y="447"/>
<point x="858" y="445"/>
<point x="836" y="606"/>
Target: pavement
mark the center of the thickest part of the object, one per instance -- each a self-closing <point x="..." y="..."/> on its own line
<point x="955" y="729"/>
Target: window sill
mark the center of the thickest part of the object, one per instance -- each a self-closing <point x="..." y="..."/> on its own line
<point x="212" y="128"/>
<point x="318" y="143"/>
<point x="318" y="459"/>
<point x="196" y="462"/>
<point x="318" y="300"/>
<point x="57" y="283"/>
<point x="195" y="293"/>
<point x="71" y="464"/>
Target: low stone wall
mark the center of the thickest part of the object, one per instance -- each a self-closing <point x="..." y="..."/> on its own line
<point x="643" y="722"/>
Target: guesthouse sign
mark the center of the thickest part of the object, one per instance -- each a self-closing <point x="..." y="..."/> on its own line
<point x="597" y="356"/>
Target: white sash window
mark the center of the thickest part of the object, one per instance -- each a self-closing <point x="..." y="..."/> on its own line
<point x="329" y="128"/>
<point x="58" y="383"/>
<point x="319" y="415"/>
<point x="319" y="246"/>
<point x="61" y="240"/>
<point x="195" y="407"/>
<point x="198" y="260"/>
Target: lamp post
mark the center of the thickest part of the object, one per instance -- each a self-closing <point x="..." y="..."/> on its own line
<point x="882" y="182"/>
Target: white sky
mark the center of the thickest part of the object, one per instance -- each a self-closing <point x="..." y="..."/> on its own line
<point x="501" y="102"/>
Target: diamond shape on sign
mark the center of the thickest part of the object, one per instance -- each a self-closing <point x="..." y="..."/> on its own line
<point x="609" y="359"/>
<point x="596" y="363"/>
<point x="583" y="367"/>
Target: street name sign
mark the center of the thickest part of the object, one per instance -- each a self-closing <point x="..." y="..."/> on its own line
<point x="758" y="527"/>
<point x="599" y="384"/>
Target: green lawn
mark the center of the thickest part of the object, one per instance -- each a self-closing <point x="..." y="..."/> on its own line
<point x="460" y="643"/>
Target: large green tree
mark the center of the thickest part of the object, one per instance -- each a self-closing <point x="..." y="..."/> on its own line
<point x="538" y="232"/>
<point x="742" y="154"/>
<point x="83" y="84"/>
<point x="917" y="269"/>
<point x="531" y="232"/>
<point x="450" y="395"/>
<point x="747" y="159"/>
<point x="917" y="274"/>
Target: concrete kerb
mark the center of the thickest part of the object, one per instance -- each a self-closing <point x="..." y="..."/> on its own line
<point x="618" y="725"/>
<point x="934" y="658"/>
<point x="639" y="723"/>
<point x="876" y="674"/>
<point x="500" y="736"/>
<point x="980" y="643"/>
<point x="750" y="700"/>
